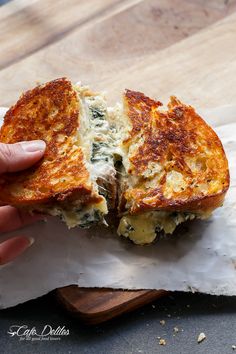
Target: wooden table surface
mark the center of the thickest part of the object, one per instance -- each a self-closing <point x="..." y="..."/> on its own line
<point x="162" y="47"/>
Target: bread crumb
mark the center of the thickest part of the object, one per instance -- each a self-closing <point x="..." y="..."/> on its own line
<point x="201" y="337"/>
<point x="233" y="347"/>
<point x="162" y="341"/>
<point x="162" y="322"/>
<point x="153" y="306"/>
<point x="176" y="329"/>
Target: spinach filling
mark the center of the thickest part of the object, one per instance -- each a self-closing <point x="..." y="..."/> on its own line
<point x="85" y="218"/>
<point x="100" y="152"/>
<point x="90" y="219"/>
<point x="97" y="116"/>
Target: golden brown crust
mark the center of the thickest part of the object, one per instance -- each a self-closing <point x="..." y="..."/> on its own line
<point x="139" y="108"/>
<point x="49" y="112"/>
<point x="192" y="171"/>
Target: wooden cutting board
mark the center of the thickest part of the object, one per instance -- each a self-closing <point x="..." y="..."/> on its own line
<point x="95" y="306"/>
<point x="161" y="48"/>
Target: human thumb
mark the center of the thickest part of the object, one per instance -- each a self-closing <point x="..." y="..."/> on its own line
<point x="16" y="157"/>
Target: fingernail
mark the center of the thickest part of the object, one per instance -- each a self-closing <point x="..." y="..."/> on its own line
<point x="33" y="146"/>
<point x="31" y="241"/>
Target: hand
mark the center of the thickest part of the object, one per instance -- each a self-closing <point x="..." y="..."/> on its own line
<point x="16" y="157"/>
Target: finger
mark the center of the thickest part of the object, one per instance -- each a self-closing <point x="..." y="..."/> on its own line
<point x="16" y="157"/>
<point x="12" y="218"/>
<point x="13" y="247"/>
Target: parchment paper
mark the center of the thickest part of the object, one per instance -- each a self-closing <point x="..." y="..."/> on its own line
<point x="202" y="258"/>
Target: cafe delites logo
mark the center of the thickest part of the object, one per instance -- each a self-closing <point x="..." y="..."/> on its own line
<point x="46" y="333"/>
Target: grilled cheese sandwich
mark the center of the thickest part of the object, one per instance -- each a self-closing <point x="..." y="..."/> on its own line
<point x="152" y="167"/>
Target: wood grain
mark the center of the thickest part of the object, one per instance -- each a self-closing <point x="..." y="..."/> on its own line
<point x="95" y="306"/>
<point x="198" y="69"/>
<point x="39" y="23"/>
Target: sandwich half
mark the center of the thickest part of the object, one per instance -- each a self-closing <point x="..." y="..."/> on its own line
<point x="173" y="167"/>
<point x="76" y="177"/>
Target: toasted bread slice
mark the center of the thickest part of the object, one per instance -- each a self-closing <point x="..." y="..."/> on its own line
<point x="64" y="182"/>
<point x="174" y="167"/>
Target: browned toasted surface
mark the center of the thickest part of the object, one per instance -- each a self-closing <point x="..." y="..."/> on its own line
<point x="49" y="112"/>
<point x="175" y="160"/>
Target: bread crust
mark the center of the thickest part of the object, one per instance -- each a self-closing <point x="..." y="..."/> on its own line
<point x="49" y="112"/>
<point x="192" y="172"/>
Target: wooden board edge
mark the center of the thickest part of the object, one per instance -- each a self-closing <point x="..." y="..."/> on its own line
<point x="138" y="299"/>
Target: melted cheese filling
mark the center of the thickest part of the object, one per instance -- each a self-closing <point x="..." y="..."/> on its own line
<point x="83" y="217"/>
<point x="142" y="229"/>
<point x="74" y="214"/>
<point x="95" y="135"/>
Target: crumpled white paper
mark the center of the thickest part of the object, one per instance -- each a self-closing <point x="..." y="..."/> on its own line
<point x="202" y="259"/>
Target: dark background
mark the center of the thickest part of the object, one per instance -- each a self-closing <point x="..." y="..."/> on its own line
<point x="136" y="332"/>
